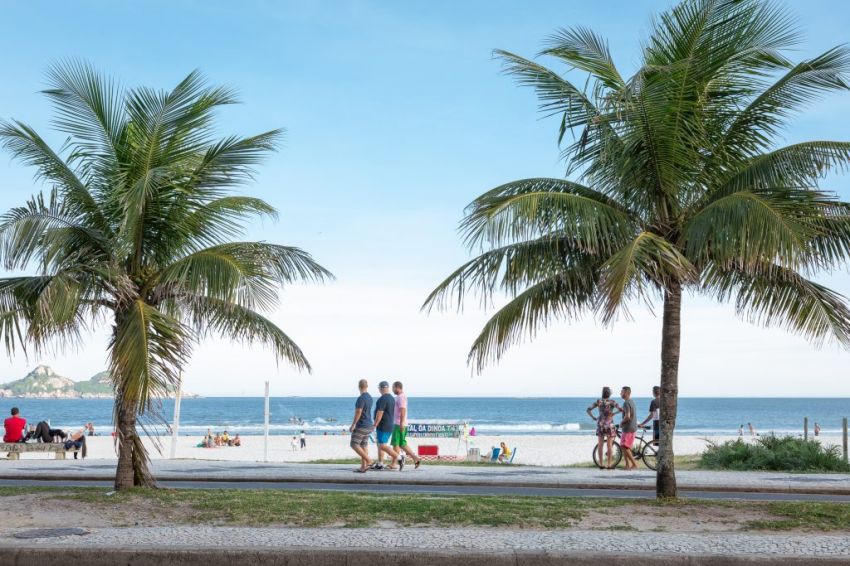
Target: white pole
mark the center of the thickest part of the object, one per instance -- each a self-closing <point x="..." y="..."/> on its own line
<point x="175" y="425"/>
<point x="266" y="427"/>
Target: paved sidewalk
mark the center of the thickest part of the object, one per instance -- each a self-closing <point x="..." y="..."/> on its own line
<point x="456" y="542"/>
<point x="431" y="474"/>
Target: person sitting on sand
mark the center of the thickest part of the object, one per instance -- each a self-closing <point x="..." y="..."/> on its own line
<point x="225" y="439"/>
<point x="217" y="439"/>
<point x="89" y="429"/>
<point x="237" y="441"/>
<point x="605" y="430"/>
<point x="504" y="453"/>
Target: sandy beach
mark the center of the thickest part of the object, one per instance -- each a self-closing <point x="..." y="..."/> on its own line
<point x="539" y="450"/>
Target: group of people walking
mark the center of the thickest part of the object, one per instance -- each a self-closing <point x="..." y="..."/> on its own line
<point x="606" y="429"/>
<point x="388" y="423"/>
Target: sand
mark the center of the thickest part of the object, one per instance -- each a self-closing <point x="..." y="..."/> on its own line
<point x="541" y="450"/>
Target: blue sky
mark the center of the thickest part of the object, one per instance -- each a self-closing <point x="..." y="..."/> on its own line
<point x="396" y="117"/>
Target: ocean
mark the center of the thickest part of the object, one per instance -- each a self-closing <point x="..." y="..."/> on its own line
<point x="498" y="415"/>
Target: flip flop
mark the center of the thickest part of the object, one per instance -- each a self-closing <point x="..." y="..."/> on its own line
<point x="416" y="464"/>
<point x="360" y="471"/>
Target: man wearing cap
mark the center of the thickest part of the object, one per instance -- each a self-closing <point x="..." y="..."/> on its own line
<point x="384" y="415"/>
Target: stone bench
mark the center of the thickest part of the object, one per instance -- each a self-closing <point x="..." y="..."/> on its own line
<point x="16" y="449"/>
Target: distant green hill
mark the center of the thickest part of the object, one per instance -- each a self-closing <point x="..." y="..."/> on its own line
<point x="99" y="385"/>
<point x="43" y="382"/>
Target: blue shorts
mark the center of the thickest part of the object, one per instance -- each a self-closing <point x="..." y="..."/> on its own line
<point x="383" y="437"/>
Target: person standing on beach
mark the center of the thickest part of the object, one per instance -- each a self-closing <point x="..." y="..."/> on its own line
<point x="628" y="425"/>
<point x="817" y="429"/>
<point x="654" y="413"/>
<point x="399" y="438"/>
<point x="741" y="431"/>
<point x="752" y="430"/>
<point x="605" y="430"/>
<point x="384" y="416"/>
<point x="361" y="426"/>
<point x="303" y="440"/>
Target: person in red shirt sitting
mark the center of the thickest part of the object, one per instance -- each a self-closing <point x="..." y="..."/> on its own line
<point x="15" y="426"/>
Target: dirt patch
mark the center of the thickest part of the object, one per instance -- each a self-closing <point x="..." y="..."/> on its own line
<point x="672" y="518"/>
<point x="51" y="510"/>
<point x="97" y="510"/>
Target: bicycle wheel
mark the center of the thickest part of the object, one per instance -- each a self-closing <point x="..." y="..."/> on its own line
<point x="616" y="456"/>
<point x="649" y="455"/>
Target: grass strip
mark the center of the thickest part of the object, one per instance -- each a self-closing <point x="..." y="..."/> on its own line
<point x="353" y="509"/>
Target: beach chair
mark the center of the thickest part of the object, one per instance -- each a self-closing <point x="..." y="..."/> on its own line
<point x="494" y="458"/>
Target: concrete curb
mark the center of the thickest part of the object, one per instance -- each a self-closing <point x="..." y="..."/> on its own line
<point x="98" y="556"/>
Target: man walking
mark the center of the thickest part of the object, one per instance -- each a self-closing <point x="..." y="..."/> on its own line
<point x="654" y="413"/>
<point x="303" y="440"/>
<point x="399" y="439"/>
<point x="361" y="426"/>
<point x="384" y="415"/>
<point x="629" y="427"/>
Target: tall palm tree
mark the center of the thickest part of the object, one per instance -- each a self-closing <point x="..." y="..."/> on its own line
<point x="677" y="183"/>
<point x="139" y="231"/>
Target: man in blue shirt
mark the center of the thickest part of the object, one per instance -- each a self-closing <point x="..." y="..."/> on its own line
<point x="384" y="423"/>
<point x="361" y="426"/>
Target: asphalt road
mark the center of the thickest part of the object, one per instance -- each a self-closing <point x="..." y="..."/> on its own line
<point x="445" y="490"/>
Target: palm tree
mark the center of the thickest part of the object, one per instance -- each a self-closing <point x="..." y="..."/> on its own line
<point x="677" y="183"/>
<point x="139" y="231"/>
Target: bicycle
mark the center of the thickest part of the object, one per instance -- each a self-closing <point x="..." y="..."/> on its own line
<point x="643" y="450"/>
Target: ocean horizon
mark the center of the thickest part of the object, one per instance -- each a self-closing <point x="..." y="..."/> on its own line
<point x="489" y="415"/>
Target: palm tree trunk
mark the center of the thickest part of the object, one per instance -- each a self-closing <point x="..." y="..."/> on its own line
<point x="126" y="430"/>
<point x="671" y="333"/>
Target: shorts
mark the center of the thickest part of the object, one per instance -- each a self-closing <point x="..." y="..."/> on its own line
<point x="399" y="438"/>
<point x="627" y="439"/>
<point x="360" y="437"/>
<point x="605" y="428"/>
<point x="656" y="430"/>
<point x="383" y="436"/>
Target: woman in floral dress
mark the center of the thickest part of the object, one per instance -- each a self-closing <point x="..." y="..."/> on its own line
<point x="605" y="430"/>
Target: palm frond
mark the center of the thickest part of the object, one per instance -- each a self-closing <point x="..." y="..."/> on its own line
<point x="148" y="349"/>
<point x="563" y="296"/>
<point x="90" y="108"/>
<point x="547" y="207"/>
<point x="758" y="124"/>
<point x="748" y="226"/>
<point x="583" y="49"/>
<point x="234" y="322"/>
<point x="648" y="260"/>
<point x="776" y="296"/>
<point x="511" y="268"/>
